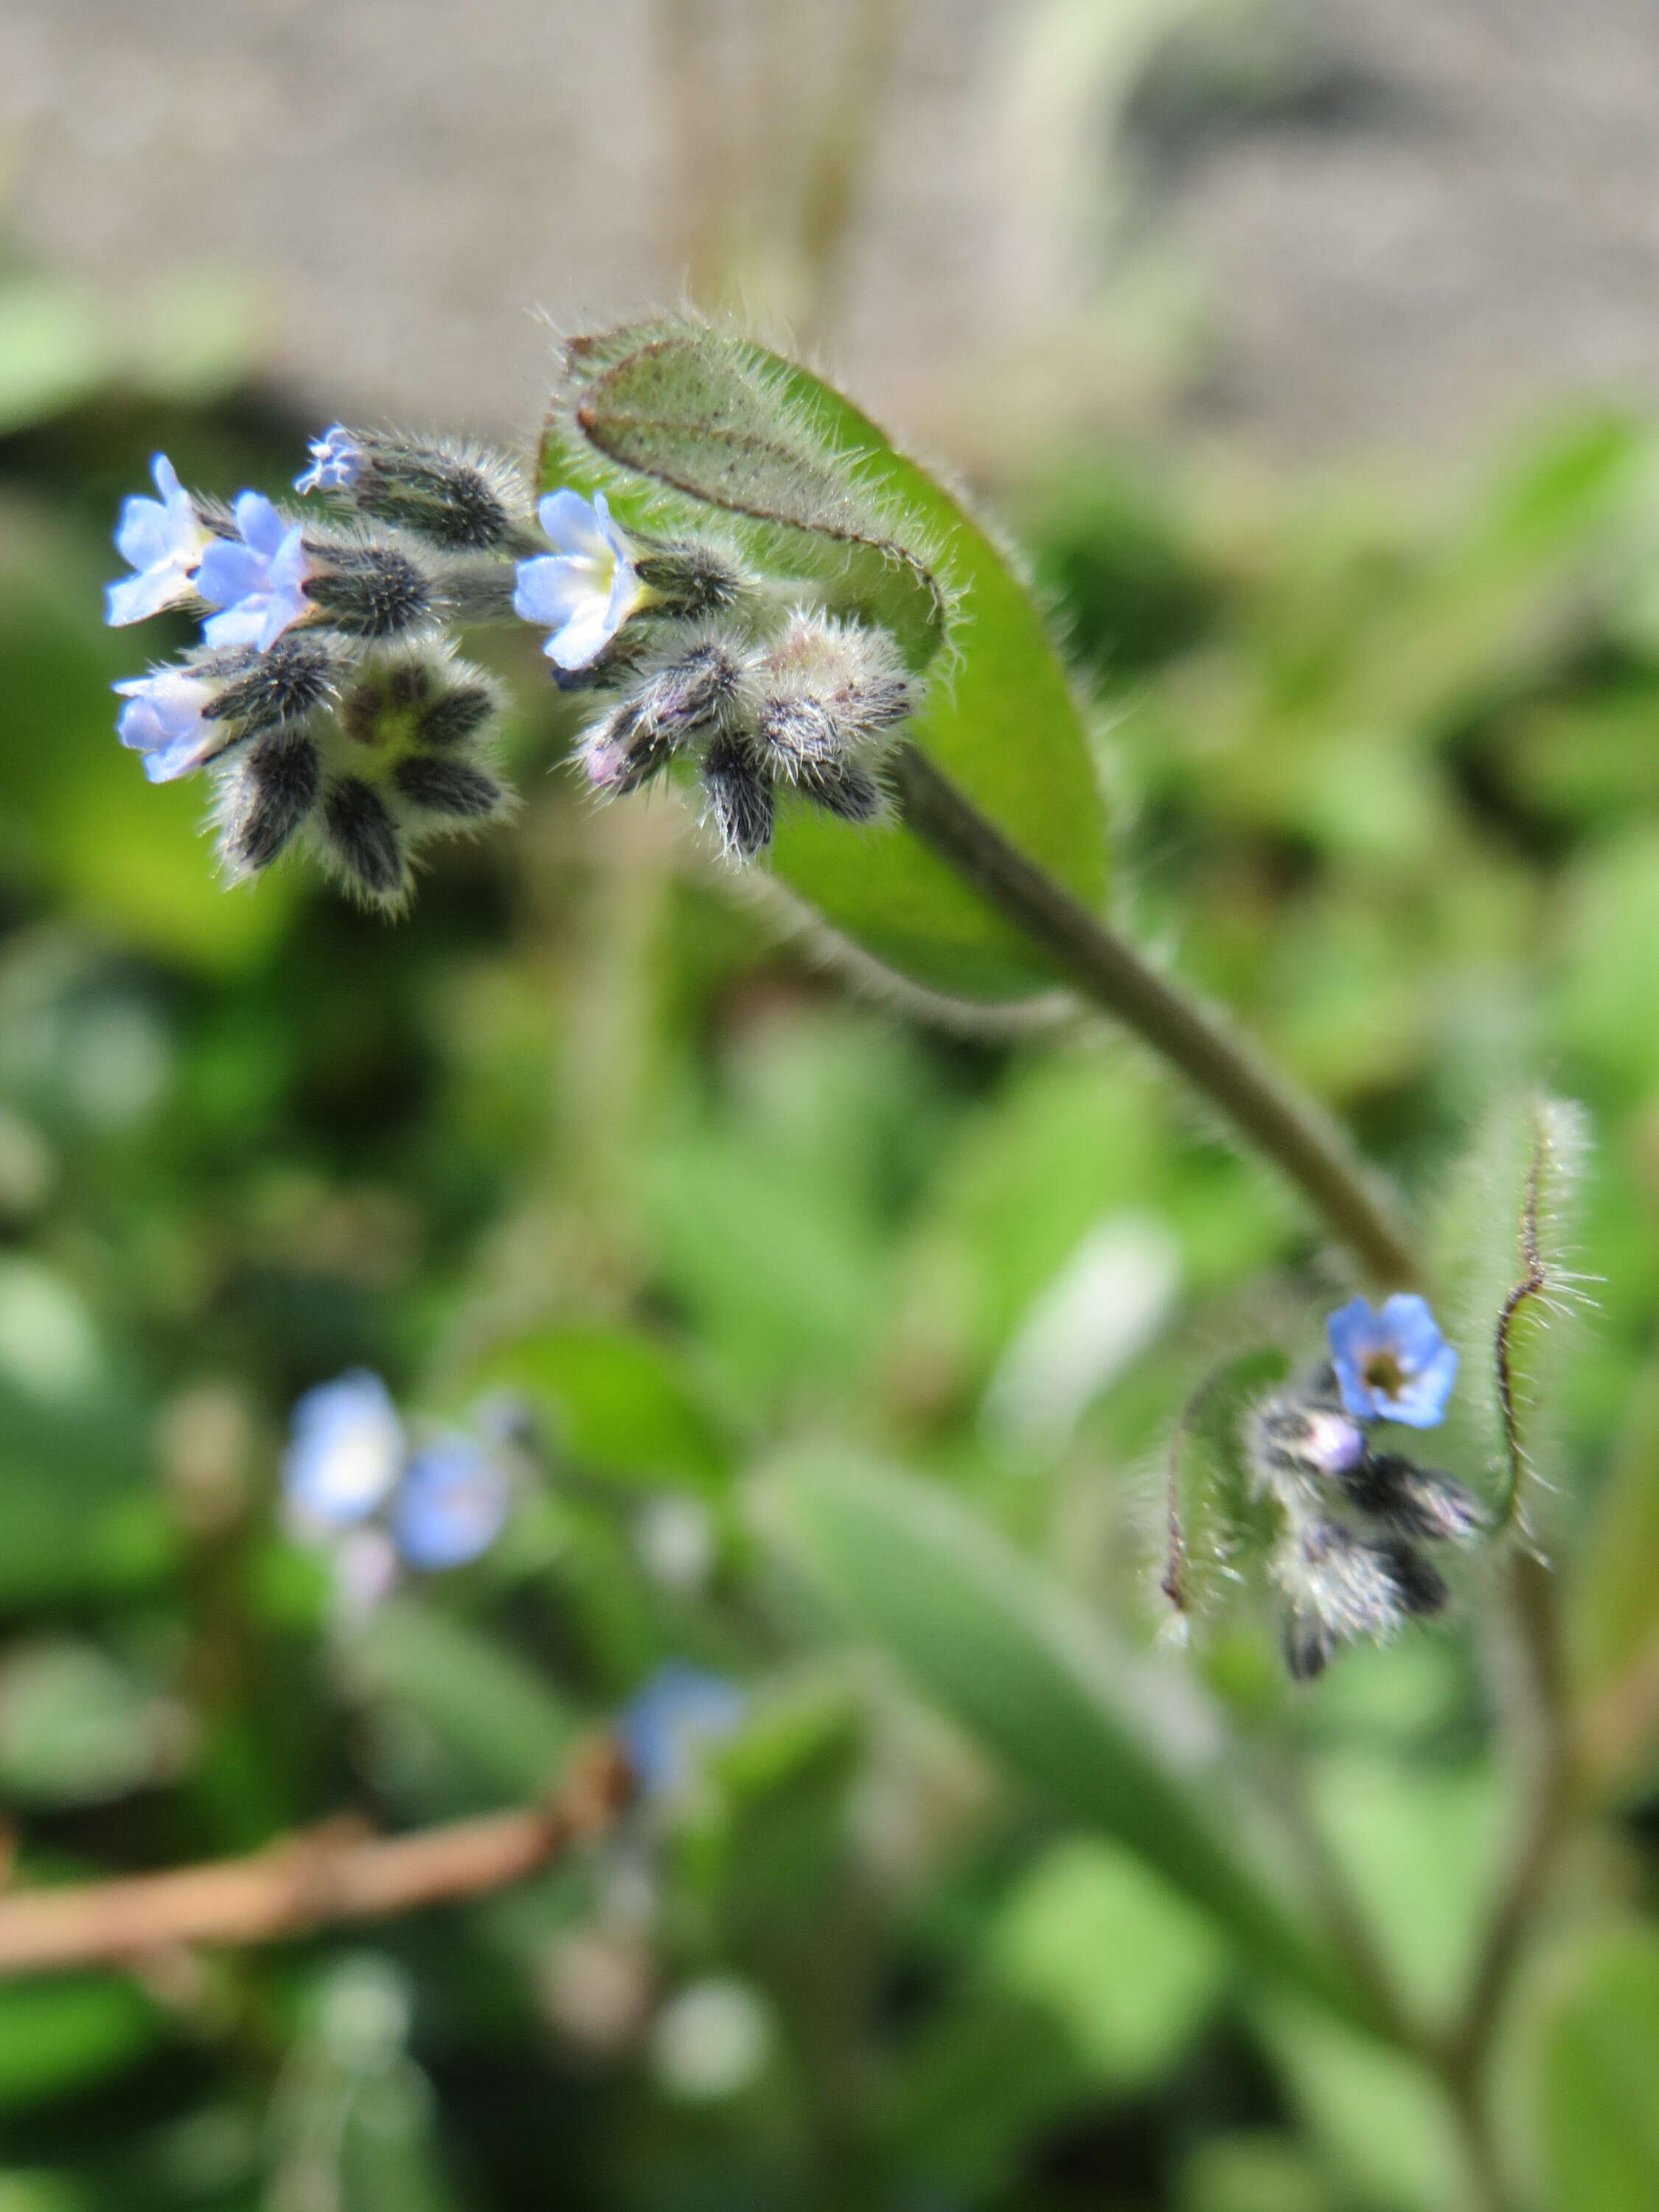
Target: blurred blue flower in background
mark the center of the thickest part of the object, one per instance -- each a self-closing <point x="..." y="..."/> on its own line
<point x="335" y="462"/>
<point x="679" y="1714"/>
<point x="1393" y="1364"/>
<point x="451" y="1504"/>
<point x="588" y="590"/>
<point x="354" y="1483"/>
<point x="257" y="579"/>
<point x="345" y="1451"/>
<point x="164" y="540"/>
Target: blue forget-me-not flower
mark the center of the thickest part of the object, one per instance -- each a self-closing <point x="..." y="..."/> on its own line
<point x="164" y="720"/>
<point x="681" y="1711"/>
<point x="163" y="541"/>
<point x="586" y="590"/>
<point x="350" y="1472"/>
<point x="451" y="1504"/>
<point x="257" y="579"/>
<point x="336" y="462"/>
<point x="346" y="1448"/>
<point x="1392" y="1364"/>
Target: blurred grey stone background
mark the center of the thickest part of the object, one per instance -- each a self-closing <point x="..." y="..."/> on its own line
<point x="1379" y="226"/>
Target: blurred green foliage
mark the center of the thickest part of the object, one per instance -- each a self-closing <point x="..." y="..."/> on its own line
<point x="584" y="1130"/>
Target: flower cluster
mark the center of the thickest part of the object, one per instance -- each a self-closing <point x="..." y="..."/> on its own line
<point x="326" y="702"/>
<point x="355" y="1484"/>
<point x="1351" y="1517"/>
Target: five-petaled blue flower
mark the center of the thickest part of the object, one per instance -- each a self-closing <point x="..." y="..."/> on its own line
<point x="345" y="1451"/>
<point x="1392" y="1364"/>
<point x="679" y="1713"/>
<point x="163" y="540"/>
<point x="336" y="462"/>
<point x="164" y="719"/>
<point x="256" y="578"/>
<point x="451" y="1504"/>
<point x="586" y="590"/>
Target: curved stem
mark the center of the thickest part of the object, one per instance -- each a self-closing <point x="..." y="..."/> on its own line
<point x="1292" y="1130"/>
<point x="1541" y="1726"/>
<point x="319" y="1879"/>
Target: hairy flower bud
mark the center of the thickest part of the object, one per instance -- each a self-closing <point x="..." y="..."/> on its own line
<point x="463" y="498"/>
<point x="825" y="693"/>
<point x="740" y="797"/>
<point x="686" y="696"/>
<point x="687" y="581"/>
<point x="370" y="591"/>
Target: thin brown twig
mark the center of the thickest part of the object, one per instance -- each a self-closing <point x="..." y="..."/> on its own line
<point x="335" y="1872"/>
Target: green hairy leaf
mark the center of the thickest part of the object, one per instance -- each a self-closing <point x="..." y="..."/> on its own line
<point x="695" y="420"/>
<point x="1213" y="1525"/>
<point x="1010" y="1656"/>
<point x="1506" y="1238"/>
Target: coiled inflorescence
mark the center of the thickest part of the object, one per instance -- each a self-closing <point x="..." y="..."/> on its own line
<point x="1352" y="1518"/>
<point x="327" y="703"/>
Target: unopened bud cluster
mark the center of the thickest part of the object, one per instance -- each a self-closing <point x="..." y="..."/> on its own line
<point x="327" y="703"/>
<point x="1353" y="1518"/>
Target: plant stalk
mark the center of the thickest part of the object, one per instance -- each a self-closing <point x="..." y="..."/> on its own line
<point x="1292" y="1130"/>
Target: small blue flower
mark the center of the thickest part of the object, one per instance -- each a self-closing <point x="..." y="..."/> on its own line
<point x="257" y="578"/>
<point x="666" y="1725"/>
<point x="345" y="1449"/>
<point x="451" y="1504"/>
<point x="164" y="720"/>
<point x="1392" y="1364"/>
<point x="336" y="462"/>
<point x="163" y="539"/>
<point x="588" y="590"/>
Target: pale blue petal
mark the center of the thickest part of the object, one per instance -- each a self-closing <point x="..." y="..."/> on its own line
<point x="582" y="639"/>
<point x="135" y="598"/>
<point x="229" y="572"/>
<point x="549" y="589"/>
<point x="242" y="625"/>
<point x="575" y="525"/>
<point x="257" y="523"/>
<point x="143" y="536"/>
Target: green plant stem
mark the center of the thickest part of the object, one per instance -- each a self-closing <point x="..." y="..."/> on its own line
<point x="1290" y="1129"/>
<point x="1542" y="1727"/>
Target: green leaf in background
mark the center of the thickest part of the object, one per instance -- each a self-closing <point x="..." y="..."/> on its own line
<point x="1127" y="1968"/>
<point x="617" y="1400"/>
<point x="1375" y="2114"/>
<point x="495" y="1717"/>
<point x="740" y="429"/>
<point x="77" y="1729"/>
<point x="1598" y="2091"/>
<point x="1008" y="1654"/>
<point x="60" y="2034"/>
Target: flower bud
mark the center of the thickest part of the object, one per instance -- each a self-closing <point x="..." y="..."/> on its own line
<point x="370" y="591"/>
<point x="688" y="695"/>
<point x="740" y="796"/>
<point x="462" y="498"/>
<point x="267" y="796"/>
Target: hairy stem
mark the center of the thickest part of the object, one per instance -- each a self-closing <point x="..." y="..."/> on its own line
<point x="1290" y="1129"/>
<point x="323" y="1876"/>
